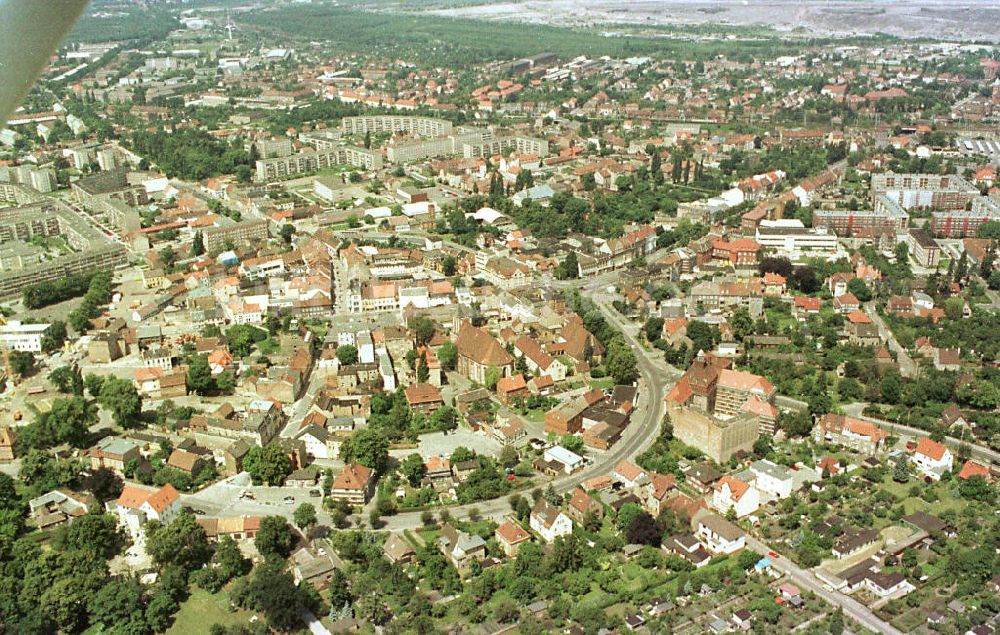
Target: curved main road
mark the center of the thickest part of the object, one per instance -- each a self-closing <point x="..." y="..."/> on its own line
<point x="655" y="377"/>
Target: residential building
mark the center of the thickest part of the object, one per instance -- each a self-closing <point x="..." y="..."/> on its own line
<point x="857" y="434"/>
<point x="732" y="493"/>
<point x="932" y="459"/>
<point x="923" y="248"/>
<point x="137" y="506"/>
<point x="461" y="548"/>
<point x="354" y="484"/>
<point x="718" y="534"/>
<point x="510" y="536"/>
<point x="549" y="521"/>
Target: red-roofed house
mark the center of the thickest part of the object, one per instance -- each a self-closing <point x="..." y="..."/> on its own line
<point x="932" y="459"/>
<point x="732" y="493"/>
<point x="971" y="468"/>
<point x="354" y="484"/>
<point x="803" y="307"/>
<point x="511" y="388"/>
<point x="136" y="506"/>
<point x="857" y="434"/>
<point x="510" y="537"/>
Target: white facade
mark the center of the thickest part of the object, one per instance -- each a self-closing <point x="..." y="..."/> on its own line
<point x="771" y="479"/>
<point x="724" y="499"/>
<point x="15" y="336"/>
<point x="789" y="237"/>
<point x="561" y="526"/>
<point x="931" y="467"/>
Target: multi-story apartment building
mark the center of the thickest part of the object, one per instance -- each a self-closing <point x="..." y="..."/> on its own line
<point x="423" y="126"/>
<point x="928" y="191"/>
<point x="15" y="336"/>
<point x="19" y="225"/>
<point x="962" y="223"/>
<point x="923" y="247"/>
<point x="887" y="217"/>
<point x="241" y="233"/>
<point x="303" y="162"/>
<point x="618" y="252"/>
<point x="273" y="148"/>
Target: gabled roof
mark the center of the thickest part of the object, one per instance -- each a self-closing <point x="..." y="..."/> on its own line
<point x="353" y="477"/>
<point x="971" y="468"/>
<point x="481" y="347"/>
<point x="931" y="449"/>
<point x="737" y="488"/>
<point x="134" y="497"/>
<point x="512" y="534"/>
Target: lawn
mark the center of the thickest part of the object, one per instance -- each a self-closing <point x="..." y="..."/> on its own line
<point x="203" y="609"/>
<point x="603" y="383"/>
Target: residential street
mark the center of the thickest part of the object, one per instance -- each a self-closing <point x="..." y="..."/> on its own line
<point x="907" y="367"/>
<point x="806" y="580"/>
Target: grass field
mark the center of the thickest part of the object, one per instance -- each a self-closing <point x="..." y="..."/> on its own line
<point x="203" y="609"/>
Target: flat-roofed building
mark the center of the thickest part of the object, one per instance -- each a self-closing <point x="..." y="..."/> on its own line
<point x="15" y="336"/>
<point x="927" y="191"/>
<point x="924" y="248"/>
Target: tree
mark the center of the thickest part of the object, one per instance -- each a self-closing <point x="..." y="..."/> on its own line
<point x="976" y="488"/>
<point x="413" y="469"/>
<point x="892" y="387"/>
<point x="509" y="456"/>
<point x="121" y="398"/>
<point x="621" y="362"/>
<point x="197" y="245"/>
<point x="22" y="362"/>
<point x="182" y="542"/>
<point x="54" y="336"/>
<point x="67" y="379"/>
<point x="347" y="354"/>
<point x="67" y="421"/>
<point x="626" y="514"/>
<point x="118" y="606"/>
<point x="274" y="537"/>
<point x="741" y="323"/>
<point x="423" y="329"/>
<point x="305" y="515"/>
<point x="339" y="591"/>
<point x="199" y="375"/>
<point x="572" y="443"/>
<point x="448" y="355"/>
<point x="367" y="446"/>
<point x="95" y="532"/>
<point x="569" y="268"/>
<point x="653" y="328"/>
<point x="859" y="289"/>
<point x="268" y="464"/>
<point x="642" y="530"/>
<point x="272" y="591"/>
<point x="93" y="384"/>
<point x="492" y="376"/>
<point x="901" y="471"/>
<point x="286" y="232"/>
<point x="805" y="280"/>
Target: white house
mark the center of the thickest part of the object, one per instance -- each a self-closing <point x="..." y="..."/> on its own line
<point x="732" y="493"/>
<point x="772" y="480"/>
<point x="630" y="475"/>
<point x="549" y="521"/>
<point x="15" y="336"/>
<point x="570" y="460"/>
<point x="932" y="459"/>
<point x="137" y="506"/>
<point x="719" y="535"/>
<point x="320" y="444"/>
